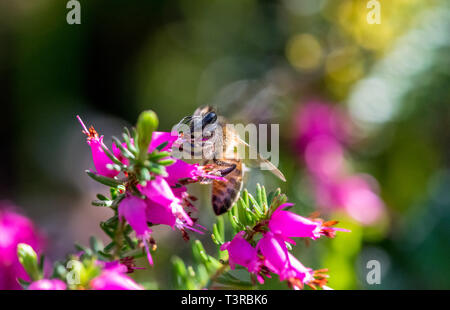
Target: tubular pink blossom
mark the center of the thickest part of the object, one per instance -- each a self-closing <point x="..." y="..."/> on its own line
<point x="101" y="160"/>
<point x="274" y="251"/>
<point x="159" y="192"/>
<point x="279" y="261"/>
<point x="158" y="214"/>
<point x="133" y="209"/>
<point x="46" y="284"/>
<point x="288" y="224"/>
<point x="242" y="253"/>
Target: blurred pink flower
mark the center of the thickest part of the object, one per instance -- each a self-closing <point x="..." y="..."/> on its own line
<point x="46" y="284"/>
<point x="14" y="229"/>
<point x="322" y="132"/>
<point x="113" y="277"/>
<point x="317" y="119"/>
<point x="356" y="195"/>
<point x="324" y="158"/>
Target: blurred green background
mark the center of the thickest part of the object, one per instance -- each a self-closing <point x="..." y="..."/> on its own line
<point x="257" y="61"/>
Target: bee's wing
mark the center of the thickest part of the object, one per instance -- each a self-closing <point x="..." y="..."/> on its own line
<point x="261" y="161"/>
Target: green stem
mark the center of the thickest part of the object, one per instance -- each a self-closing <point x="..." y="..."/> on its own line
<point x="118" y="239"/>
<point x="217" y="274"/>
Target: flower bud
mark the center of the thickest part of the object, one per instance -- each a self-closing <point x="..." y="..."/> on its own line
<point x="146" y="125"/>
<point x="29" y="260"/>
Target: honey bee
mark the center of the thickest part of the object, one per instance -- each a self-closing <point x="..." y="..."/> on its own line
<point x="220" y="151"/>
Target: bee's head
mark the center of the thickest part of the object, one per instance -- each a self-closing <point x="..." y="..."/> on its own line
<point x="204" y="119"/>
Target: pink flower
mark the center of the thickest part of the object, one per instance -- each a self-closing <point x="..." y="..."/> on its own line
<point x="14" y="229"/>
<point x="46" y="284"/>
<point x="324" y="157"/>
<point x="275" y="252"/>
<point x="161" y="206"/>
<point x="133" y="209"/>
<point x="298" y="275"/>
<point x="242" y="253"/>
<point x="279" y="261"/>
<point x="101" y="160"/>
<point x="159" y="137"/>
<point x="288" y="224"/>
<point x="113" y="278"/>
<point x="317" y="119"/>
<point x="159" y="193"/>
<point x="355" y="194"/>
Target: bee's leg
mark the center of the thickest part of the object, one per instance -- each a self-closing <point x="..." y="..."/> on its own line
<point x="225" y="171"/>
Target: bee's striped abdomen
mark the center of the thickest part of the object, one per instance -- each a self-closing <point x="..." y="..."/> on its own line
<point x="225" y="193"/>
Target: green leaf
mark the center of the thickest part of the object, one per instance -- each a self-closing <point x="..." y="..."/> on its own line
<point x="129" y="241"/>
<point x="125" y="152"/>
<point x="155" y="156"/>
<point x="216" y="235"/>
<point x="102" y="203"/>
<point x="101" y="197"/>
<point x="112" y="157"/>
<point x="265" y="205"/>
<point x="103" y="180"/>
<point x="166" y="162"/>
<point x="95" y="244"/>
<point x="144" y="174"/>
<point x="109" y="247"/>
<point x="256" y="206"/>
<point x="199" y="252"/>
<point x="161" y="146"/>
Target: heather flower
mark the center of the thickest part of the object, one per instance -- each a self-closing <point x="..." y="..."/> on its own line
<point x="279" y="261"/>
<point x="113" y="277"/>
<point x="243" y="253"/>
<point x="133" y="209"/>
<point x="15" y="229"/>
<point x="288" y="224"/>
<point x="47" y="284"/>
<point x="102" y="162"/>
<point x="275" y="252"/>
<point x="160" y="207"/>
<point x="164" y="195"/>
<point x="298" y="275"/>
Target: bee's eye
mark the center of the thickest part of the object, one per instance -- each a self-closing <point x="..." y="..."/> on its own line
<point x="208" y="119"/>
